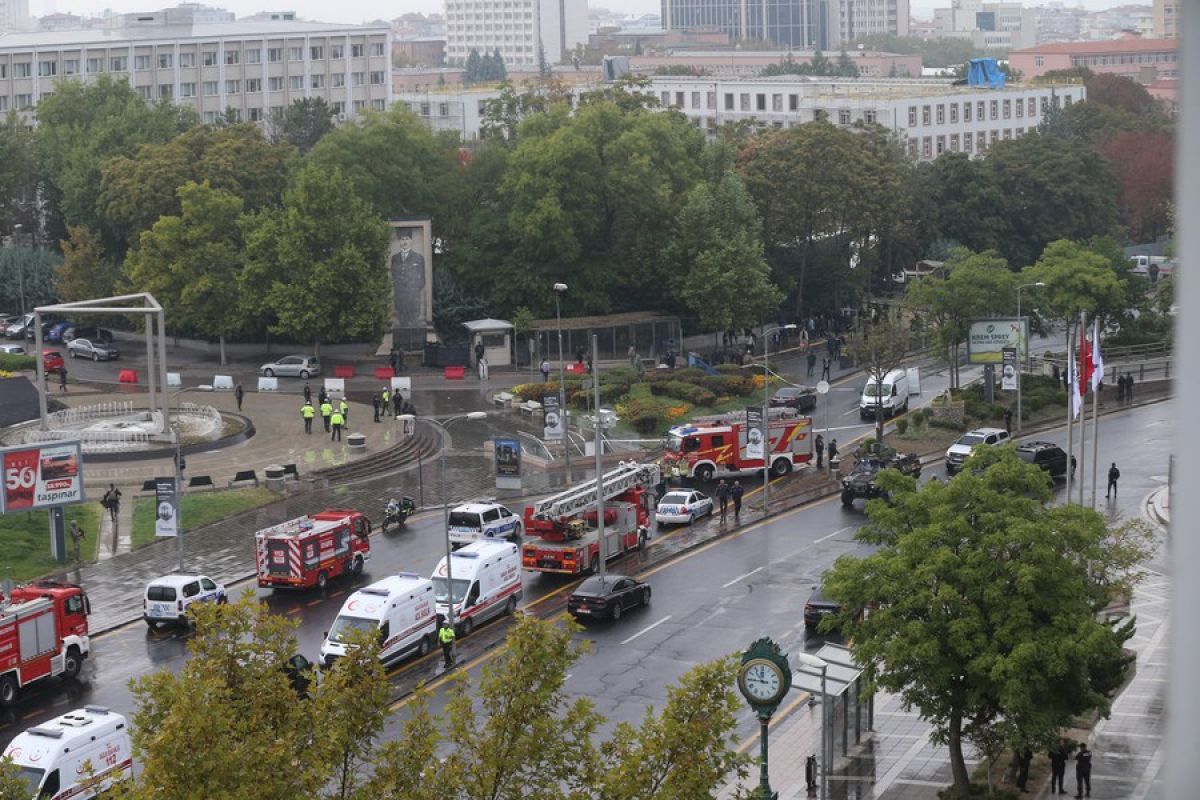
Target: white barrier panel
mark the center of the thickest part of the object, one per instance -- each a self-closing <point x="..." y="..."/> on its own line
<point x="335" y="385"/>
<point x="268" y="384"/>
<point x="404" y="387"/>
<point x="174" y="381"/>
<point x="222" y="383"/>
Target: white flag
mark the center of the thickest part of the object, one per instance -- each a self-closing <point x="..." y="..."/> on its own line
<point x="1097" y="359"/>
<point x="1073" y="381"/>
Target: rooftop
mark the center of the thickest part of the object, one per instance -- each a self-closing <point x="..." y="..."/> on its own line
<point x="162" y="30"/>
<point x="1101" y="48"/>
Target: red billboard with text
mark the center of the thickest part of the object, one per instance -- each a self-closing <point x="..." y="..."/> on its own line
<point x="41" y="476"/>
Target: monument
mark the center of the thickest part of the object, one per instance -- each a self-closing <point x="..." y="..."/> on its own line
<point x="410" y="266"/>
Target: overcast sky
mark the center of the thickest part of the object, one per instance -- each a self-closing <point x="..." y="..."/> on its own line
<point x="363" y="10"/>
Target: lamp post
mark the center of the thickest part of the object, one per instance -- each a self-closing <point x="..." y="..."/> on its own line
<point x="559" y="288"/>
<point x="810" y="663"/>
<point x="443" y="425"/>
<point x="766" y="407"/>
<point x="1021" y="367"/>
<point x="20" y="264"/>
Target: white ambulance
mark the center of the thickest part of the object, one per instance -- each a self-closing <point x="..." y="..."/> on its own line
<point x="400" y="607"/>
<point x="486" y="578"/>
<point x="56" y="757"/>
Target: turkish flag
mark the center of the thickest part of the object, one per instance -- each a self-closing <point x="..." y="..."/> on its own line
<point x="1085" y="361"/>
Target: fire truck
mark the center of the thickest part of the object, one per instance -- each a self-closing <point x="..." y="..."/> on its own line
<point x="717" y="448"/>
<point x="308" y="551"/>
<point x="43" y="633"/>
<point x="562" y="532"/>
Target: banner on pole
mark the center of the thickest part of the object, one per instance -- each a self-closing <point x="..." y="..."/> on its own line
<point x="1008" y="376"/>
<point x="754" y="432"/>
<point x="166" y="518"/>
<point x="552" y="421"/>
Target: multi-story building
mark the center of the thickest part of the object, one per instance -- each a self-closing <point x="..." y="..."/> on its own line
<point x="1165" y="18"/>
<point x="858" y="18"/>
<point x="249" y="69"/>
<point x="801" y="24"/>
<point x="525" y="32"/>
<point x="1001" y="26"/>
<point x="749" y="63"/>
<point x="14" y="15"/>
<point x="1143" y="60"/>
<point x="1057" y="23"/>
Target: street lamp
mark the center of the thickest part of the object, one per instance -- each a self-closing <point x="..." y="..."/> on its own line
<point x="20" y="265"/>
<point x="559" y="288"/>
<point x="1020" y="322"/>
<point x="810" y="663"/>
<point x="766" y="406"/>
<point x="443" y="425"/>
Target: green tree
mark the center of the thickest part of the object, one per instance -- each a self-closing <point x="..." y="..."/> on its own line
<point x="717" y="252"/>
<point x="963" y="196"/>
<point x="29" y="272"/>
<point x="500" y="74"/>
<point x="12" y="783"/>
<point x="85" y="272"/>
<point x="316" y="268"/>
<point x="18" y="177"/>
<point x="191" y="263"/>
<point x="302" y="124"/>
<point x="846" y="68"/>
<point x="878" y="347"/>
<point x="981" y="602"/>
<point x="352" y="704"/>
<point x="474" y="68"/>
<point x="1078" y="278"/>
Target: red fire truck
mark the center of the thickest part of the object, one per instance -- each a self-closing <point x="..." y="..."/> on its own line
<point x="716" y="448"/>
<point x="43" y="633"/>
<point x="562" y="534"/>
<point x="308" y="551"/>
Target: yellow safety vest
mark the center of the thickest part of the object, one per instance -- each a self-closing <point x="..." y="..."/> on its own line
<point x="446" y="635"/>
<point x="345" y="407"/>
<point x="308" y="411"/>
<point x="337" y="418"/>
<point x="326" y="409"/>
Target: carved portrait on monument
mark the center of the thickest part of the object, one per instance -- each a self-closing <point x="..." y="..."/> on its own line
<point x="411" y="272"/>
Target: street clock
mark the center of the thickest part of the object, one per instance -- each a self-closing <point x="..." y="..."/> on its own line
<point x="765" y="677"/>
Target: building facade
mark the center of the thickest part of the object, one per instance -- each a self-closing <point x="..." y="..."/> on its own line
<point x="800" y="24"/>
<point x="1165" y="18"/>
<point x="1003" y="26"/>
<point x="858" y="18"/>
<point x="249" y="69"/>
<point x="14" y="15"/>
<point x="1143" y="60"/>
<point x="524" y="31"/>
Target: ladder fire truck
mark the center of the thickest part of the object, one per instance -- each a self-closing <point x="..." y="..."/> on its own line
<point x="562" y="533"/>
<point x="43" y="633"/>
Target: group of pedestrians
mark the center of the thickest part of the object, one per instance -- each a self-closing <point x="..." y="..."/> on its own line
<point x="826" y="366"/>
<point x="335" y="413"/>
<point x="1125" y="388"/>
<point x="726" y="493"/>
<point x="819" y="449"/>
<point x="385" y="398"/>
<point x="1060" y="754"/>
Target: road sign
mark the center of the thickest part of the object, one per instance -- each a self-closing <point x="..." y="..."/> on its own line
<point x="823" y="387"/>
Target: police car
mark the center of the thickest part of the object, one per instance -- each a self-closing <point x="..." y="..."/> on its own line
<point x="683" y="506"/>
<point x="483" y="519"/>
<point x="167" y="599"/>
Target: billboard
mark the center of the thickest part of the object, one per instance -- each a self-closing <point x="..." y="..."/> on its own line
<point x="41" y="477"/>
<point x="508" y="458"/>
<point x="987" y="338"/>
<point x="166" y="520"/>
<point x="553" y="428"/>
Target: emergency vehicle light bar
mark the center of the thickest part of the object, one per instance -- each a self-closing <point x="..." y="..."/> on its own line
<point x="461" y="554"/>
<point x="49" y="733"/>
<point x="374" y="592"/>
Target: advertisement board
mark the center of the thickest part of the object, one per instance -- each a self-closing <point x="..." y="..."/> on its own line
<point x="508" y="463"/>
<point x="1008" y="377"/>
<point x="43" y="476"/>
<point x="553" y="428"/>
<point x="166" y="520"/>
<point x="754" y="432"/>
<point x="987" y="338"/>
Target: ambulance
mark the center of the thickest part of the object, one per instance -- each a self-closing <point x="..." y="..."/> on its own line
<point x="485" y="581"/>
<point x="399" y="607"/>
<point x="58" y="757"/>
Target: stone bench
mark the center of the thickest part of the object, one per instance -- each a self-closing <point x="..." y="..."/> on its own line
<point x="531" y="407"/>
<point x="502" y="399"/>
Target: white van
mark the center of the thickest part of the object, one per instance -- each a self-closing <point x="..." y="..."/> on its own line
<point x="486" y="579"/>
<point x="53" y="757"/>
<point x="400" y="607"/>
<point x="483" y="520"/>
<point x="166" y="599"/>
<point x="894" y="391"/>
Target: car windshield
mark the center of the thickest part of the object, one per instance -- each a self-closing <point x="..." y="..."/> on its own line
<point x="464" y="519"/>
<point x="344" y="627"/>
<point x="674" y="498"/>
<point x="33" y="779"/>
<point x="971" y="438"/>
<point x="872" y="390"/>
<point x="673" y="443"/>
<point x="460" y="589"/>
<point x="787" y="393"/>
<point x="1027" y="455"/>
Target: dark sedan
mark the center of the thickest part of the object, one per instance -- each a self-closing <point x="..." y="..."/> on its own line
<point x="607" y="596"/>
<point x="817" y="608"/>
<point x="797" y="397"/>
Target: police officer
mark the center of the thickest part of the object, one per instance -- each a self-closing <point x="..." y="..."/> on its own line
<point x="337" y="420"/>
<point x="397" y="403"/>
<point x="1083" y="771"/>
<point x="307" y="392"/>
<point x="76" y="540"/>
<point x="820" y="448"/>
<point x="723" y="498"/>
<point x="446" y="640"/>
<point x="326" y="412"/>
<point x="833" y="451"/>
<point x="375" y="405"/>
<point x="385" y="399"/>
<point x="1058" y="768"/>
<point x="736" y="493"/>
<point x="1113" y="475"/>
<point x="344" y="407"/>
<point x="308" y="412"/>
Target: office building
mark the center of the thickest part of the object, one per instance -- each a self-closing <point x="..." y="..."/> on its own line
<point x="248" y="68"/>
<point x="1165" y="18"/>
<point x="1143" y="60"/>
<point x="14" y="15"/>
<point x="994" y="26"/>
<point x="802" y="24"/>
<point x="525" y="32"/>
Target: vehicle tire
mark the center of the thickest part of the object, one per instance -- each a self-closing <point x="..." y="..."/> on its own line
<point x="357" y="567"/>
<point x="322" y="580"/>
<point x="467" y="625"/>
<point x="8" y="691"/>
<point x="646" y="596"/>
<point x="304" y="374"/>
<point x="95" y="357"/>
<point x="72" y="662"/>
<point x="616" y="612"/>
<point x="268" y="373"/>
<point x="847" y="500"/>
<point x="704" y="473"/>
<point x="510" y="607"/>
<point x="222" y="599"/>
<point x="781" y="467"/>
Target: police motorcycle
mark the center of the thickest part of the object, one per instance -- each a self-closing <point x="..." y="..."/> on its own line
<point x="396" y="513"/>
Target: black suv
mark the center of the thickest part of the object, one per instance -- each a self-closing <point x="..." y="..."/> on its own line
<point x="1046" y="455"/>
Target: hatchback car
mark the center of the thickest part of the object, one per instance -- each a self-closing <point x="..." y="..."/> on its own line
<point x="292" y="367"/>
<point x="167" y="599"/>
<point x="52" y="361"/>
<point x="683" y="507"/>
<point x="1046" y="455"/>
<point x="16" y="328"/>
<point x="961" y="450"/>
<point x="94" y="349"/>
<point x="607" y="596"/>
<point x="797" y="397"/>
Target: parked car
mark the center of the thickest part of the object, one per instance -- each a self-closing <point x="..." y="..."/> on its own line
<point x="57" y="329"/>
<point x="797" y="397"/>
<point x="292" y="367"/>
<point x="607" y="596"/>
<point x="1046" y="455"/>
<point x="16" y="328"/>
<point x="94" y="349"/>
<point x="167" y="598"/>
<point x="88" y="332"/>
<point x="13" y="349"/>
<point x="31" y="331"/>
<point x="817" y="607"/>
<point x="961" y="450"/>
<point x="683" y="506"/>
<point x="52" y="361"/>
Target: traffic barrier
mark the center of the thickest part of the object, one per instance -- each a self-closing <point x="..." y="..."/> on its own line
<point x="455" y="373"/>
<point x="343" y="371"/>
<point x="268" y="384"/>
<point x="356" y="441"/>
<point x="383" y="373"/>
<point x="127" y="376"/>
<point x="222" y="383"/>
<point x="576" y="369"/>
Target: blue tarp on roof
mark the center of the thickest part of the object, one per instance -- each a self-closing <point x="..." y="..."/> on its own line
<point x="985" y="72"/>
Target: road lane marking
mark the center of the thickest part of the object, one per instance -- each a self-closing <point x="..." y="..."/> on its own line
<point x="738" y="578"/>
<point x="829" y="536"/>
<point x="647" y="629"/>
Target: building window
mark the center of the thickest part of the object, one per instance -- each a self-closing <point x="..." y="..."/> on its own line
<point x="94" y="66"/>
<point x="777" y="103"/>
<point x="187" y="60"/>
<point x="695" y="100"/>
<point x="1020" y="108"/>
<point x="118" y="64"/>
<point x="981" y="111"/>
<point x="966" y="112"/>
<point x="317" y="81"/>
<point x="820" y="114"/>
<point x="912" y="116"/>
<point x="1045" y="104"/>
<point x="295" y="54"/>
<point x="913" y="147"/>
<point x="424" y="109"/>
<point x="744" y="101"/>
<point x="254" y="56"/>
<point x="339" y="82"/>
<point x="981" y="142"/>
<point x="995" y="136"/>
<point x="843" y="116"/>
<point x="337" y="51"/>
<point x="316" y="53"/>
<point x="358" y="78"/>
<point x="927" y="147"/>
<point x="23" y="69"/>
<point x="208" y="58"/>
<point x="443" y="109"/>
<point x="954" y="113"/>
<point x="869" y="117"/>
<point x="941" y="114"/>
<point x="254" y="86"/>
<point x="711" y="100"/>
<point x="926" y="116"/>
<point x="1008" y="109"/>
<point x="1067" y="100"/>
<point x="141" y="63"/>
<point x="995" y="109"/>
<point x="941" y="145"/>
<point x="376" y="48"/>
<point x="377" y="104"/>
<point x="22" y="102"/>
<point x="275" y="84"/>
<point x="187" y="90"/>
<point x="296" y="82"/>
<point x="166" y="60"/>
<point x="70" y="67"/>
<point x="232" y="57"/>
<point x="664" y="98"/>
<point x="678" y="95"/>
<point x="356" y="51"/>
<point x="359" y="106"/>
<point x="1032" y="107"/>
<point x="954" y="143"/>
<point x="144" y="91"/>
<point x="165" y="91"/>
<point x="729" y="101"/>
<point x="47" y="69"/>
<point x="966" y="142"/>
<point x="339" y="108"/>
<point x="1039" y="61"/>
<point x="210" y="88"/>
<point x="1008" y="133"/>
<point x="210" y="117"/>
<point x="3" y="100"/>
<point x="233" y="87"/>
<point x="254" y="114"/>
<point x="274" y="54"/>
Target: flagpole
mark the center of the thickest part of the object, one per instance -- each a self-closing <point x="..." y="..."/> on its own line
<point x="1070" y="368"/>
<point x="1097" y="377"/>
<point x="1082" y="405"/>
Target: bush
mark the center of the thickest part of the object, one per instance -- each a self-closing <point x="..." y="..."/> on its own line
<point x="947" y="424"/>
<point x="11" y="362"/>
<point x="919" y="417"/>
<point x="688" y="392"/>
<point x="902" y="426"/>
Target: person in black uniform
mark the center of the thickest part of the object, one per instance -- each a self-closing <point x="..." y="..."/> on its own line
<point x="1083" y="771"/>
<point x="1058" y="768"/>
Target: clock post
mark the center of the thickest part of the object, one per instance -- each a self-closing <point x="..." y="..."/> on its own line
<point x="764" y="679"/>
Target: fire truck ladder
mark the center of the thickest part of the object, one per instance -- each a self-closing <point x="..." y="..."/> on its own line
<point x="580" y="498"/>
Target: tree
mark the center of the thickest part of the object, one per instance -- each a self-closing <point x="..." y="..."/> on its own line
<point x="1118" y="91"/>
<point x="879" y="347"/>
<point x="846" y="68"/>
<point x="18" y="177"/>
<point x="474" y="69"/>
<point x="27" y="272"/>
<point x="717" y="251"/>
<point x="1078" y="279"/>
<point x="316" y="268"/>
<point x="981" y="603"/>
<point x="85" y="272"/>
<point x="500" y="73"/>
<point x="1142" y="163"/>
<point x="352" y="702"/>
<point x="302" y="124"/>
<point x="191" y="263"/>
<point x="12" y="783"/>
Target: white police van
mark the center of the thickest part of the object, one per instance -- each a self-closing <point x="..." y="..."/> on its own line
<point x="167" y="598"/>
<point x="483" y="520"/>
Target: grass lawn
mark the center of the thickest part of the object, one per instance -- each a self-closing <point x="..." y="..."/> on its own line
<point x="198" y="509"/>
<point x="26" y="537"/>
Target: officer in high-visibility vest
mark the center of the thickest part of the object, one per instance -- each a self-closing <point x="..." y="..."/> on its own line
<point x="446" y="640"/>
<point x="308" y="412"/>
<point x="338" y="421"/>
<point x="386" y="397"/>
<point x="344" y="407"/>
<point x="326" y="413"/>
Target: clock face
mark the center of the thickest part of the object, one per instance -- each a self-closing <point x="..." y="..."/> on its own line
<point x="762" y="680"/>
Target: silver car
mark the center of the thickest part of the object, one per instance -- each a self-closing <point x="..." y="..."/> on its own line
<point x="292" y="367"/>
<point x="12" y="349"/>
<point x="94" y="349"/>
